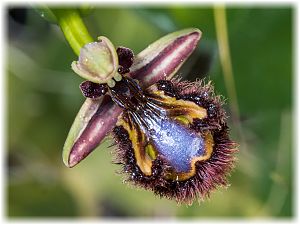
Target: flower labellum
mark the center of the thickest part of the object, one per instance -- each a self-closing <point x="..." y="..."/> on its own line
<point x="171" y="135"/>
<point x="172" y="138"/>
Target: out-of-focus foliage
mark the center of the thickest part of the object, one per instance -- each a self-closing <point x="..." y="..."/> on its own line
<point x="43" y="98"/>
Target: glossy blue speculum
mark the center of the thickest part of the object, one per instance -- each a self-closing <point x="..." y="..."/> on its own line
<point x="176" y="143"/>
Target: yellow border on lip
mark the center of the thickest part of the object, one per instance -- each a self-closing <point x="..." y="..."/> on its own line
<point x="143" y="162"/>
<point x="191" y="109"/>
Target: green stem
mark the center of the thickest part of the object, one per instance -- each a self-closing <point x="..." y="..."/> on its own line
<point x="225" y="59"/>
<point x="73" y="28"/>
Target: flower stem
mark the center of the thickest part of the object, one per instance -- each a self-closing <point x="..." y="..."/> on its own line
<point x="226" y="64"/>
<point x="73" y="28"/>
<point x="225" y="58"/>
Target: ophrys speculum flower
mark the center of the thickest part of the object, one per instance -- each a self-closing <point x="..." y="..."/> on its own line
<point x="172" y="136"/>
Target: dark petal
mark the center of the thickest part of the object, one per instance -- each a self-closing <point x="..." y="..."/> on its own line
<point x="125" y="56"/>
<point x="92" y="90"/>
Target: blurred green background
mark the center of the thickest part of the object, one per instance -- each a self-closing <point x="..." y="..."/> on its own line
<point x="43" y="98"/>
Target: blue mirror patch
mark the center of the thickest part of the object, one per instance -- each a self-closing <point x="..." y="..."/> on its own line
<point x="176" y="143"/>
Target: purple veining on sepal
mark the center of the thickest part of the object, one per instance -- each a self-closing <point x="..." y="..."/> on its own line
<point x="98" y="126"/>
<point x="166" y="63"/>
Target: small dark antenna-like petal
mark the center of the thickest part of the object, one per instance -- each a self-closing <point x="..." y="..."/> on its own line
<point x="125" y="56"/>
<point x="92" y="90"/>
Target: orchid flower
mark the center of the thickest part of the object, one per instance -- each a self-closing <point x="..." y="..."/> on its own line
<point x="171" y="135"/>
